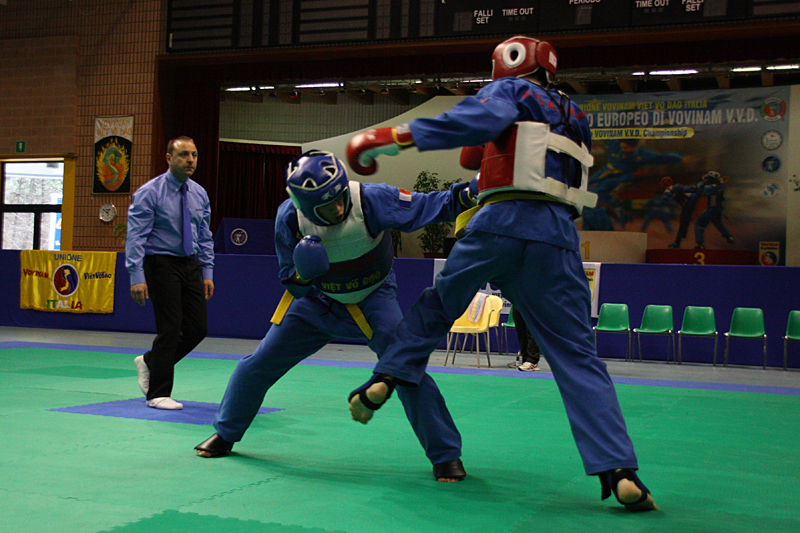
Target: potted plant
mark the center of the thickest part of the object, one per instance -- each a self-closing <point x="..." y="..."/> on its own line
<point x="431" y="240"/>
<point x="397" y="241"/>
<point x="120" y="231"/>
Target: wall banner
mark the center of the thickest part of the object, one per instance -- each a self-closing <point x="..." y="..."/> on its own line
<point x="113" y="139"/>
<point x="72" y="282"/>
<point x="705" y="170"/>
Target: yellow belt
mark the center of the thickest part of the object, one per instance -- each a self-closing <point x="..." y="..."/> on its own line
<point x="463" y="219"/>
<point x="353" y="309"/>
<point x="283" y="306"/>
<point x="360" y="319"/>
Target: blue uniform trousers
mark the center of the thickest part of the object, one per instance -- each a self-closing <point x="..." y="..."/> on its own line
<point x="712" y="215"/>
<point x="310" y="323"/>
<point x="548" y="285"/>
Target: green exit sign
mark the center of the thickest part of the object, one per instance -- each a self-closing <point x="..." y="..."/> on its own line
<point x="20" y="149"/>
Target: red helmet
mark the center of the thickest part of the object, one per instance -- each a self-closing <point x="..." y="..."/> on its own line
<point x="521" y="56"/>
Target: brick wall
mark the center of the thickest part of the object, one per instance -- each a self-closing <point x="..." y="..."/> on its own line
<point x="40" y="94"/>
<point x="64" y="63"/>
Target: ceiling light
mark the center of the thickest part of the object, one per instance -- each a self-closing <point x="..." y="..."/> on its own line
<point x="672" y="72"/>
<point x="318" y="85"/>
<point x="783" y="67"/>
<point x="746" y="69"/>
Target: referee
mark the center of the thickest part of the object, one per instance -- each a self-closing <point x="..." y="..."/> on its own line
<point x="170" y="258"/>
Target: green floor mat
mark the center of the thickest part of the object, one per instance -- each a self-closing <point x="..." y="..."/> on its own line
<point x="716" y="461"/>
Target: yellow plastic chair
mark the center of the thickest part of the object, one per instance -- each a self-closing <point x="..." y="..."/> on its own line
<point x="494" y="323"/>
<point x="748" y="323"/>
<point x="477" y="320"/>
<point x="657" y="320"/>
<point x="614" y="318"/>
<point x="698" y="322"/>
<point x="792" y="334"/>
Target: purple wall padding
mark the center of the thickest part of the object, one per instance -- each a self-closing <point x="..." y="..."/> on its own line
<point x="247" y="292"/>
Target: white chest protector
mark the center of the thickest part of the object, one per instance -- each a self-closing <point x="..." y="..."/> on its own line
<point x="515" y="161"/>
<point x="359" y="262"/>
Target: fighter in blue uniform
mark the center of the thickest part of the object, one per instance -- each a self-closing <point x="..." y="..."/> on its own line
<point x="686" y="196"/>
<point x="522" y="239"/>
<point x="712" y="187"/>
<point x="335" y="256"/>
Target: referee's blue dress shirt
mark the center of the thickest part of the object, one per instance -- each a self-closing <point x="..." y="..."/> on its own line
<point x="154" y="225"/>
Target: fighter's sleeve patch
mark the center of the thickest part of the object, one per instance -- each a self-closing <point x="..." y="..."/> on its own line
<point x="404" y="199"/>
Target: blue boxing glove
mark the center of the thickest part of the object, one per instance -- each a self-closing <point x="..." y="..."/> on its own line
<point x="474" y="186"/>
<point x="468" y="196"/>
<point x="310" y="258"/>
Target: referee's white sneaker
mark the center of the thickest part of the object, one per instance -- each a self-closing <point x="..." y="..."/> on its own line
<point x="144" y="373"/>
<point x="164" y="402"/>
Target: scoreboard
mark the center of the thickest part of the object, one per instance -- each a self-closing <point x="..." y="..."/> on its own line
<point x="484" y="17"/>
<point x="235" y="24"/>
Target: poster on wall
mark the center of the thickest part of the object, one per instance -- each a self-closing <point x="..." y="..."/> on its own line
<point x="694" y="170"/>
<point x="113" y="138"/>
<point x="67" y="282"/>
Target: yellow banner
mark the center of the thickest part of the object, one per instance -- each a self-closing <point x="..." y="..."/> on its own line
<point x="72" y="282"/>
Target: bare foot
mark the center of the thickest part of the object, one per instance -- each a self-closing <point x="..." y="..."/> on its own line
<point x="447" y="480"/>
<point x="376" y="393"/>
<point x="628" y="493"/>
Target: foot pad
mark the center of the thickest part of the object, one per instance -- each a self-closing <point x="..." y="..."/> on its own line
<point x="609" y="482"/>
<point x="361" y="392"/>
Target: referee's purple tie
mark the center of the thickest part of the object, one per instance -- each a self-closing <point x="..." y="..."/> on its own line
<point x="188" y="245"/>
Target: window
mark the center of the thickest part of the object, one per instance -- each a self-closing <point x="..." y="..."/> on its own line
<point x="30" y="204"/>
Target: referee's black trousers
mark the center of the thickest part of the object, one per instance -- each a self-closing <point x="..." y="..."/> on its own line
<point x="178" y="296"/>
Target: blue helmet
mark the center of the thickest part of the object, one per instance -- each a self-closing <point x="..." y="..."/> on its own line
<point x="314" y="180"/>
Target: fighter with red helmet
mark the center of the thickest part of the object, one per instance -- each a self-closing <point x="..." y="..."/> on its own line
<point x="522" y="239"/>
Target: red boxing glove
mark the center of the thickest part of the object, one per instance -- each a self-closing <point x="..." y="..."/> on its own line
<point x="471" y="157"/>
<point x="365" y="147"/>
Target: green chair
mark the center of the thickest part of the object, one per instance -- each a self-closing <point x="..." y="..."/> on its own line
<point x="698" y="322"/>
<point x="614" y="318"/>
<point x="509" y="323"/>
<point x="748" y="323"/>
<point x="792" y="334"/>
<point x="657" y="320"/>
